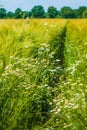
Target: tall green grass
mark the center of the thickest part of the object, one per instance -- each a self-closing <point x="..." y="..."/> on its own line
<point x="30" y="69"/>
<point x="70" y="112"/>
<point x="43" y="68"/>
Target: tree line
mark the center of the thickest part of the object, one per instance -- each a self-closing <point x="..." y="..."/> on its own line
<point x="39" y="12"/>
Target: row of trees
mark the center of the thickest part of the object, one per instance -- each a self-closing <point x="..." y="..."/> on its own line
<point x="39" y="12"/>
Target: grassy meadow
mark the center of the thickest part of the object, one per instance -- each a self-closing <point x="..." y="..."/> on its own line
<point x="43" y="74"/>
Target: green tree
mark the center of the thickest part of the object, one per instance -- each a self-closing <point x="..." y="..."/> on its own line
<point x="18" y="13"/>
<point x="76" y="13"/>
<point x="10" y="14"/>
<point x="67" y="12"/>
<point x="52" y="12"/>
<point x="2" y="13"/>
<point x="30" y="14"/>
<point x="27" y="14"/>
<point x="81" y="10"/>
<point x="84" y="15"/>
<point x="38" y="11"/>
<point x="46" y="15"/>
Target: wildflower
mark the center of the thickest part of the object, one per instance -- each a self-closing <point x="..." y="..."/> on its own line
<point x="75" y="107"/>
<point x="26" y="46"/>
<point x="86" y="56"/>
<point x="46" y="24"/>
<point x="47" y="50"/>
<point x="54" y="70"/>
<point x="80" y="84"/>
<point x="57" y="60"/>
<point x="51" y="26"/>
<point x="86" y="43"/>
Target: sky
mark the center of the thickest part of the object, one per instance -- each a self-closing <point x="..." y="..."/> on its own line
<point x="12" y="5"/>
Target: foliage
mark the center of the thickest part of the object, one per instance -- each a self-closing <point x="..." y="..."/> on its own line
<point x="52" y="12"/>
<point x="27" y="14"/>
<point x="71" y="102"/>
<point x="9" y="14"/>
<point x="18" y="13"/>
<point x="81" y="10"/>
<point x="67" y="12"/>
<point x="84" y="15"/>
<point x="2" y="13"/>
<point x="28" y="74"/>
<point x="38" y="11"/>
<point x="43" y="74"/>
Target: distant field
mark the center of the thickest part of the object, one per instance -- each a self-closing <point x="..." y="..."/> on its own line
<point x="43" y="74"/>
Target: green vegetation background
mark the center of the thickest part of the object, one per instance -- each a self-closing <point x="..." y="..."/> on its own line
<point x="39" y="12"/>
